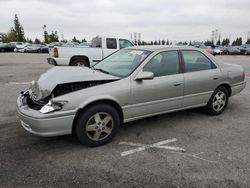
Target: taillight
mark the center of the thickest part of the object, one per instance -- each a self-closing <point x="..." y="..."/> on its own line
<point x="243" y="75"/>
<point x="56" y="52"/>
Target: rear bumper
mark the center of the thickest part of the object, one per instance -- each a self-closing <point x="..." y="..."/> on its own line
<point x="43" y="124"/>
<point x="237" y="88"/>
<point x="51" y="61"/>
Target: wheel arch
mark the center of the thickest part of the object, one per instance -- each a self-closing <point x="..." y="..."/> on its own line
<point x="81" y="57"/>
<point x="108" y="101"/>
<point x="227" y="86"/>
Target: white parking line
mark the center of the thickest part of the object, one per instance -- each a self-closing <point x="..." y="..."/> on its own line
<point x="143" y="147"/>
<point x="17" y="83"/>
<point x="172" y="149"/>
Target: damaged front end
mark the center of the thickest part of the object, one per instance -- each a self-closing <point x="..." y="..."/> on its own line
<point x="42" y="100"/>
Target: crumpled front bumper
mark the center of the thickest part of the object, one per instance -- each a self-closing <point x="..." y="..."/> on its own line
<point x="52" y="124"/>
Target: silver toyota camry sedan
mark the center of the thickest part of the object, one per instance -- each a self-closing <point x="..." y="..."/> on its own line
<point x="130" y="84"/>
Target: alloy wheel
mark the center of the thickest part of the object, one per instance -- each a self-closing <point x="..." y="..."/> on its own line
<point x="99" y="126"/>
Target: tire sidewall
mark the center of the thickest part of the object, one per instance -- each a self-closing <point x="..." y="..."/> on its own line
<point x="210" y="102"/>
<point x="84" y="117"/>
<point x="83" y="62"/>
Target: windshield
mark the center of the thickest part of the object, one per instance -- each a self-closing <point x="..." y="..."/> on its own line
<point x="122" y="63"/>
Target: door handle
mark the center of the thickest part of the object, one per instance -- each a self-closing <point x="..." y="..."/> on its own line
<point x="177" y="84"/>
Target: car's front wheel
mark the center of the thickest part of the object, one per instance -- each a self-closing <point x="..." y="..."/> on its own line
<point x="97" y="125"/>
<point x="218" y="101"/>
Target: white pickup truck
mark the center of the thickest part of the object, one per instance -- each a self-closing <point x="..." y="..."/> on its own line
<point x="100" y="48"/>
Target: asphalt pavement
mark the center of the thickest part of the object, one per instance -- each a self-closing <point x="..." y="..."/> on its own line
<point x="182" y="149"/>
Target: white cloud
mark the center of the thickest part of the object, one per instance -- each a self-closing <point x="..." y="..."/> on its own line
<point x="159" y="19"/>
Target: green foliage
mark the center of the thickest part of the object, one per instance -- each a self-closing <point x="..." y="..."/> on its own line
<point x="218" y="42"/>
<point x="155" y="42"/>
<point x="167" y="42"/>
<point x="163" y="42"/>
<point x="84" y="40"/>
<point x="16" y="33"/>
<point x="37" y="41"/>
<point x="49" y="38"/>
<point x="225" y="42"/>
<point x="237" y="42"/>
<point x="75" y="40"/>
<point x="208" y="43"/>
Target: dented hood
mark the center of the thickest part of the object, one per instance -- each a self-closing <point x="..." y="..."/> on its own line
<point x="62" y="75"/>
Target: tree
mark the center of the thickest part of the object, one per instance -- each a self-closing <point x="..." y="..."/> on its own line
<point x="218" y="42"/>
<point x="248" y="41"/>
<point x="167" y="42"/>
<point x="159" y="42"/>
<point x="208" y="43"/>
<point x="237" y="42"/>
<point x="163" y="42"/>
<point x="84" y="40"/>
<point x="18" y="28"/>
<point x="75" y="40"/>
<point x="225" y="42"/>
<point x="46" y="39"/>
<point x="151" y="42"/>
<point x="190" y="43"/>
<point x="139" y="42"/>
<point x="37" y="41"/>
<point x="155" y="42"/>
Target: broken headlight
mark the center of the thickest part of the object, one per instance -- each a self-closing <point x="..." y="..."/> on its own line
<point x="52" y="106"/>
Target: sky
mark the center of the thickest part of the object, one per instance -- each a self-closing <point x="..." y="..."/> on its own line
<point x="175" y="20"/>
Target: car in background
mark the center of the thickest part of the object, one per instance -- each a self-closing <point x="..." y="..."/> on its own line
<point x="209" y="49"/>
<point x="217" y="50"/>
<point x="36" y="48"/>
<point x="100" y="48"/>
<point x="7" y="47"/>
<point x="247" y="51"/>
<point x="243" y="48"/>
<point x="20" y="46"/>
<point x="84" y="44"/>
<point x="233" y="50"/>
<point x="128" y="85"/>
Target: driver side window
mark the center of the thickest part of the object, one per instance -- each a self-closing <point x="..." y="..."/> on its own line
<point x="163" y="64"/>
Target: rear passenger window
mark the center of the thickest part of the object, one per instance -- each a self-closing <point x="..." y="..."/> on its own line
<point x="163" y="64"/>
<point x="196" y="61"/>
<point x="111" y="43"/>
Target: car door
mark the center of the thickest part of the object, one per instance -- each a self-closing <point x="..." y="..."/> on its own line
<point x="164" y="92"/>
<point x="201" y="76"/>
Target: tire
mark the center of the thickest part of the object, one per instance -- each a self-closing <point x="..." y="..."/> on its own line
<point x="79" y="62"/>
<point x="218" y="101"/>
<point x="97" y="125"/>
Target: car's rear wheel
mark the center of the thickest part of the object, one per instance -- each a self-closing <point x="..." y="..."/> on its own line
<point x="79" y="62"/>
<point x="218" y="101"/>
<point x="97" y="125"/>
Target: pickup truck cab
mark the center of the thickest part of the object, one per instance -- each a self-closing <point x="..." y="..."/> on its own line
<point x="99" y="48"/>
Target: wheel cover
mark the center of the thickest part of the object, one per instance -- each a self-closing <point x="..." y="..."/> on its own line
<point x="219" y="101"/>
<point x="99" y="126"/>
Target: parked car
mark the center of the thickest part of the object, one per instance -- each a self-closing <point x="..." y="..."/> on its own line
<point x="209" y="49"/>
<point x="218" y="50"/>
<point x="100" y="48"/>
<point x="131" y="84"/>
<point x="243" y="48"/>
<point x="247" y="51"/>
<point x="233" y="50"/>
<point x="7" y="47"/>
<point x="20" y="46"/>
<point x="36" y="48"/>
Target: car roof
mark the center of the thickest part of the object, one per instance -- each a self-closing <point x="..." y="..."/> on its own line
<point x="160" y="47"/>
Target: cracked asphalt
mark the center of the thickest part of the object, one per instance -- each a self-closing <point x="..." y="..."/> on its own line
<point x="30" y="161"/>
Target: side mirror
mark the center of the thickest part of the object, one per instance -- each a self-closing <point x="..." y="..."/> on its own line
<point x="144" y="76"/>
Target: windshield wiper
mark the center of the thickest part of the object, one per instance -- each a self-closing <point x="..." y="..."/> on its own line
<point x="101" y="70"/>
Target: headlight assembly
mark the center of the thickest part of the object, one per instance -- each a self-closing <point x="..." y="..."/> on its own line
<point x="52" y="106"/>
